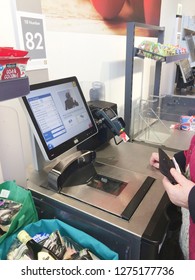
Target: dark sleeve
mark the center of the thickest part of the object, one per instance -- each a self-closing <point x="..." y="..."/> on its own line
<point x="191" y="203"/>
<point x="181" y="160"/>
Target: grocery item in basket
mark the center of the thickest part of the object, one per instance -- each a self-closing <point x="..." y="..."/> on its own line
<point x="19" y="251"/>
<point x="36" y="250"/>
<point x="63" y="248"/>
<point x="8" y="210"/>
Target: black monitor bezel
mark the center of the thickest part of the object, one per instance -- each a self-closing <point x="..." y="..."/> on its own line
<point x="72" y="142"/>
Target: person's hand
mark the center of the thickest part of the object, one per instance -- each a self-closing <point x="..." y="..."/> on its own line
<point x="154" y="160"/>
<point x="178" y="193"/>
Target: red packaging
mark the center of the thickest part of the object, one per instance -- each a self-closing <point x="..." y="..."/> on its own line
<point x="12" y="63"/>
<point x="12" y="67"/>
<point x="9" y="51"/>
<point x="187" y="123"/>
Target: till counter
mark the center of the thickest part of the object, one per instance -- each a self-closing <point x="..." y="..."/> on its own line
<point x="130" y="216"/>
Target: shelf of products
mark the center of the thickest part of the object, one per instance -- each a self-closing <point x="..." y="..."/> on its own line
<point x="161" y="58"/>
<point x="131" y="53"/>
<point x="14" y="88"/>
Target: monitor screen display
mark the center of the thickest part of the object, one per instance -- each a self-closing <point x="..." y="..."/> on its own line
<point x="58" y="115"/>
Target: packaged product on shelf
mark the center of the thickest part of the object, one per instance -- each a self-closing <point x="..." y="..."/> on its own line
<point x="12" y="63"/>
<point x="149" y="49"/>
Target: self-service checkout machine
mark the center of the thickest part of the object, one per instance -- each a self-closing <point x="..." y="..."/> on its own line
<point x="98" y="186"/>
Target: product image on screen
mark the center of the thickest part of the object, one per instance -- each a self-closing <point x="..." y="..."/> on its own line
<point x="58" y="115"/>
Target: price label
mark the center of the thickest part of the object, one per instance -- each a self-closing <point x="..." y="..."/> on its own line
<point x="33" y="37"/>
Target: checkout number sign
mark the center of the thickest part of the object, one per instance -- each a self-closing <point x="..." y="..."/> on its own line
<point x="32" y="35"/>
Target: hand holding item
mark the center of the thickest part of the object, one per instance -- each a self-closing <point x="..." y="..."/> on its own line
<point x="154" y="160"/>
<point x="178" y="193"/>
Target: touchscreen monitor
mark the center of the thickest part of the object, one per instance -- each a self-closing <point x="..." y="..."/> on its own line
<point x="58" y="115"/>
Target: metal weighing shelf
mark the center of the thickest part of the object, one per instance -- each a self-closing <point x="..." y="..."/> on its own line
<point x="14" y="88"/>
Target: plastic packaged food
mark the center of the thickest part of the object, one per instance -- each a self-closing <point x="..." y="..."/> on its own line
<point x="12" y="63"/>
<point x="8" y="210"/>
<point x="64" y="248"/>
<point x="187" y="123"/>
<point x="12" y="68"/>
<point x="9" y="51"/>
<point x="149" y="49"/>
